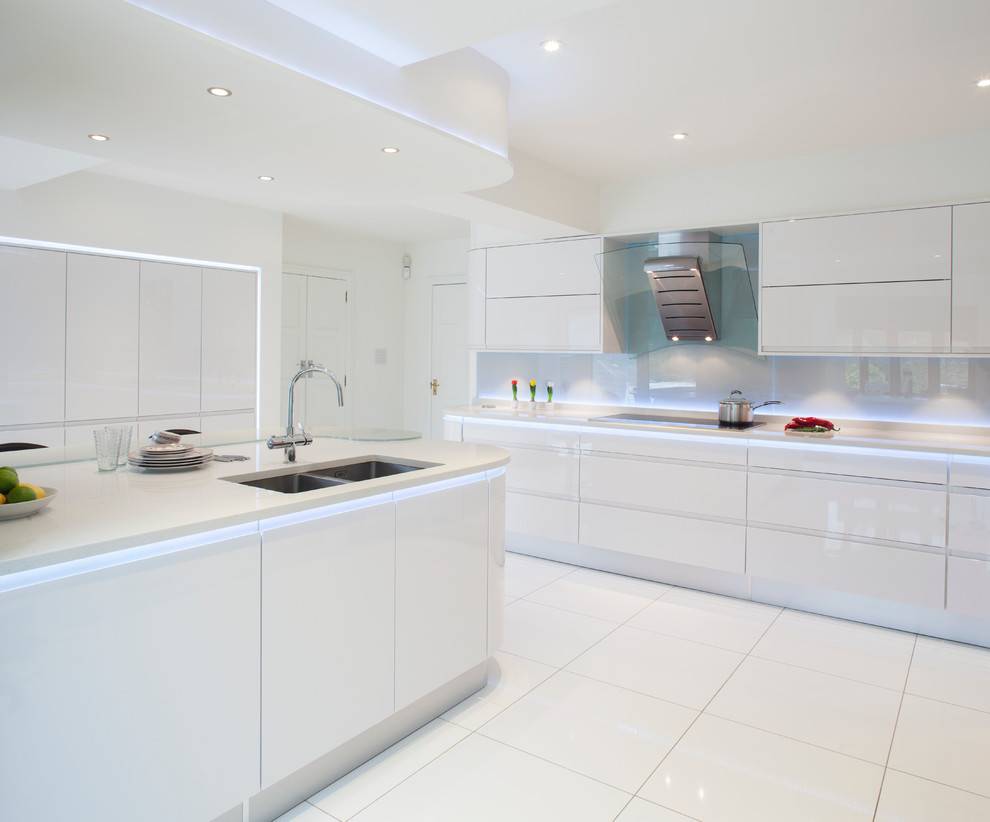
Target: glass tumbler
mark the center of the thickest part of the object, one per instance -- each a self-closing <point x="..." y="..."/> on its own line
<point x="107" y="441"/>
<point x="124" y="446"/>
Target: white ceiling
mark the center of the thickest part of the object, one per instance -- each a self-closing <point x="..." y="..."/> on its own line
<point x="405" y="32"/>
<point x="746" y="80"/>
<point x="25" y="164"/>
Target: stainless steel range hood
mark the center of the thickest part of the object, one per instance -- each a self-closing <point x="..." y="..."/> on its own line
<point x="682" y="302"/>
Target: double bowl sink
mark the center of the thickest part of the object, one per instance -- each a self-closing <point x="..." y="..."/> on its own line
<point x="315" y="477"/>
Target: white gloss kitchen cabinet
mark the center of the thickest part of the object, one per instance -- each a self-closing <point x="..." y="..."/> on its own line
<point x="877" y="283"/>
<point x="122" y="684"/>
<point x="539" y="296"/>
<point x="971" y="279"/>
<point x="229" y="342"/>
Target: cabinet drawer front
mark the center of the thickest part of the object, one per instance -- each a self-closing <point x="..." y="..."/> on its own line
<point x="970" y="472"/>
<point x="968" y="587"/>
<point x="885" y="246"/>
<point x="971" y="278"/>
<point x="545" y="269"/>
<point x="897" y="574"/>
<point x="689" y="489"/>
<point x="969" y="523"/>
<point x="544" y="436"/>
<point x="692" y="447"/>
<point x="544" y="323"/>
<point x="543" y="472"/>
<point x="824" y="459"/>
<point x="542" y="517"/>
<point x="705" y="544"/>
<point x="860" y="318"/>
<point x="858" y="509"/>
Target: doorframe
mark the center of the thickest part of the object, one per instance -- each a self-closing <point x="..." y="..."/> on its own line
<point x="436" y="282"/>
<point x="347" y="276"/>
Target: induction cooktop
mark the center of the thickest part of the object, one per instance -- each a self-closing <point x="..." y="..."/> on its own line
<point x="686" y="422"/>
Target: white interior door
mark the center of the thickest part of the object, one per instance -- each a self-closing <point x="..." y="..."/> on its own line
<point x="448" y="352"/>
<point x="326" y="344"/>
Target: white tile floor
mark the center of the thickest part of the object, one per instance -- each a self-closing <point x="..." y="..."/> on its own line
<point x="619" y="699"/>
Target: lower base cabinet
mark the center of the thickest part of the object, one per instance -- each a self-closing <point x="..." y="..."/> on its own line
<point x="968" y="587"/>
<point x="131" y="692"/>
<point x="441" y="570"/>
<point x="327" y="634"/>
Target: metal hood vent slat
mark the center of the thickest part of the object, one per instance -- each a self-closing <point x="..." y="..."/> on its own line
<point x="682" y="302"/>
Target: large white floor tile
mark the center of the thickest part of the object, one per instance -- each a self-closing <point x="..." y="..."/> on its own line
<point x="597" y="594"/>
<point x="362" y="786"/>
<point x="550" y="635"/>
<point x="524" y="574"/>
<point x="509" y="678"/>
<point x="485" y="781"/>
<point x="721" y="770"/>
<point x="639" y="810"/>
<point x="836" y="646"/>
<point x="849" y="717"/>
<point x="673" y="669"/>
<point x="951" y="672"/>
<point x="304" y="812"/>
<point x="943" y="742"/>
<point x="603" y="731"/>
<point x="734" y="624"/>
<point x="907" y="798"/>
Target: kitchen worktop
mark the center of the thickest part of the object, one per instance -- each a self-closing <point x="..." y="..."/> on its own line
<point x="96" y="513"/>
<point x="899" y="436"/>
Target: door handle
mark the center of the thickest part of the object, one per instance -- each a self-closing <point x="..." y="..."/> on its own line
<point x="435" y="385"/>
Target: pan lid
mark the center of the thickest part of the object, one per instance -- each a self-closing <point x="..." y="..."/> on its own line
<point x="735" y="398"/>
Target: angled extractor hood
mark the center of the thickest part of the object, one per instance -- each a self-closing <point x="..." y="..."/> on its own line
<point x="682" y="302"/>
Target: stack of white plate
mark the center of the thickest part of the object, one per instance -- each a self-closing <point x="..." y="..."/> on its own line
<point x="175" y="456"/>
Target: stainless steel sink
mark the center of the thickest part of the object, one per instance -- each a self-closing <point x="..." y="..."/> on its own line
<point x="327" y="475"/>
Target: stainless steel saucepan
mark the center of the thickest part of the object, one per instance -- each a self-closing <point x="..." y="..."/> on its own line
<point x="736" y="411"/>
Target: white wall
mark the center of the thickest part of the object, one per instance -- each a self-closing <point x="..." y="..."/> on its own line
<point x="374" y="389"/>
<point x="97" y="210"/>
<point x="442" y="261"/>
<point x="953" y="169"/>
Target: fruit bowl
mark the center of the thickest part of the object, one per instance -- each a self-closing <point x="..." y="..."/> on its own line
<point x="16" y="510"/>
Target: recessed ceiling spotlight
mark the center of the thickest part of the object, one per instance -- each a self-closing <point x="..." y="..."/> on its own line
<point x="99" y="138"/>
<point x="266" y="178"/>
<point x="680" y="135"/>
<point x="219" y="91"/>
<point x="550" y="46"/>
<point x="390" y="150"/>
<point x="675" y="339"/>
<point x="708" y="339"/>
<point x="983" y="82"/>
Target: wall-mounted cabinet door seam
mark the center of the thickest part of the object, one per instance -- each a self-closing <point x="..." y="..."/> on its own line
<point x="545" y="269"/>
<point x="883" y="246"/>
<point x="971" y="278"/>
<point x="171" y="338"/>
<point x="102" y="337"/>
<point x="32" y="314"/>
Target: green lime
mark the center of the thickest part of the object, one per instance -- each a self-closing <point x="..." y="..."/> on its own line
<point x="8" y="479"/>
<point x="22" y="493"/>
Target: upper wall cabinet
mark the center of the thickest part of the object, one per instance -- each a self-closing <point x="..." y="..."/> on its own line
<point x="971" y="278"/>
<point x="32" y="315"/>
<point x="170" y="338"/>
<point x="890" y="246"/>
<point x="229" y="326"/>
<point x="477" y="271"/>
<point x="545" y="269"/>
<point x="101" y="337"/>
<point x="858" y="284"/>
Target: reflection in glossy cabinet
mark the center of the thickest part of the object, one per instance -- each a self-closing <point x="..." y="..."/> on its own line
<point x="885" y="246"/>
<point x="229" y="348"/>
<point x="170" y="338"/>
<point x="327" y="634"/>
<point x="441" y="604"/>
<point x="544" y="472"/>
<point x="132" y="692"/>
<point x="101" y="344"/>
<point x="971" y="278"/>
<point x="32" y="308"/>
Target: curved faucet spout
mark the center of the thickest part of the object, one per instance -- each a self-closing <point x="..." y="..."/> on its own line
<point x="290" y="440"/>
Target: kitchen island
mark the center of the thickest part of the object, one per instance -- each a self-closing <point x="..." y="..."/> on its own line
<point x="177" y="645"/>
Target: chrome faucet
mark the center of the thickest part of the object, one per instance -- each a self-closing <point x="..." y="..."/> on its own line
<point x="291" y="439"/>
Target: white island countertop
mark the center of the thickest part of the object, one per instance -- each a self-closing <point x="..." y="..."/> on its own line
<point x="896" y="436"/>
<point x="96" y="513"/>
